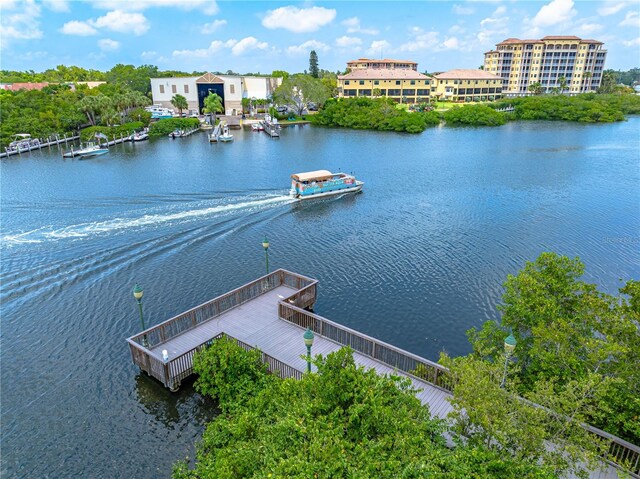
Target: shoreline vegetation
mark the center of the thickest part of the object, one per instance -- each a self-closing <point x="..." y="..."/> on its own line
<point x="382" y="114"/>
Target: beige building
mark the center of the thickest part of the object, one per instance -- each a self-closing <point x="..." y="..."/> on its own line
<point x="401" y="85"/>
<point x="467" y="86"/>
<point x="521" y="63"/>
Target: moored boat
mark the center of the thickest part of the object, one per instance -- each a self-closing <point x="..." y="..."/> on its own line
<point x="257" y="127"/>
<point x="226" y="136"/>
<point x="316" y="184"/>
<point x="90" y="149"/>
<point x="140" y="136"/>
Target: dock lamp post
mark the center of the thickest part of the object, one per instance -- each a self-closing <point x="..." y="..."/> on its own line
<point x="509" y="345"/>
<point x="265" y="245"/>
<point x="308" y="342"/>
<point x="137" y="294"/>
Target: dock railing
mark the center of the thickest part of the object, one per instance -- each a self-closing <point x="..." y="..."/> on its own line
<point x="171" y="373"/>
<point x="404" y="361"/>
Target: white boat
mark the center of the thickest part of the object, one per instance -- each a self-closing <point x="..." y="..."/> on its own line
<point x="140" y="136"/>
<point x="271" y="126"/>
<point x="257" y="127"/>
<point x="23" y="141"/>
<point x="320" y="183"/>
<point x="90" y="149"/>
<point x="158" y="112"/>
<point x="176" y="134"/>
<point x="226" y="136"/>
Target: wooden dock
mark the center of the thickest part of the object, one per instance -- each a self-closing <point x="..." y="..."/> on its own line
<point x="54" y="140"/>
<point x="271" y="314"/>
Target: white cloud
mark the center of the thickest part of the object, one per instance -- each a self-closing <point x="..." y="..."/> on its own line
<point x="108" y="45"/>
<point x="57" y="5"/>
<point x="248" y="43"/>
<point x="75" y="27"/>
<point x="553" y="13"/>
<point x="631" y="43"/>
<point x="209" y="28"/>
<point x="585" y="28"/>
<point x="456" y="29"/>
<point x="236" y="47"/>
<point x="451" y="44"/>
<point x="298" y="20"/>
<point x="631" y="19"/>
<point x="21" y="24"/>
<point x="306" y="47"/>
<point x="209" y="7"/>
<point x="123" y="22"/>
<point x="462" y="10"/>
<point x="610" y="8"/>
<point x="149" y="54"/>
<point x="420" y="40"/>
<point x="353" y="26"/>
<point x="379" y="48"/>
<point x="348" y="42"/>
<point x="493" y="27"/>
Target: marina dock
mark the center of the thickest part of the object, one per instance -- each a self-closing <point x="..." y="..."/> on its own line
<point x="54" y="140"/>
<point x="271" y="314"/>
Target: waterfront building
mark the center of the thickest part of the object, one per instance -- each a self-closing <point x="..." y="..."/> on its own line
<point x="466" y="86"/>
<point x="395" y="79"/>
<point x="547" y="61"/>
<point x="231" y="88"/>
<point x="386" y="64"/>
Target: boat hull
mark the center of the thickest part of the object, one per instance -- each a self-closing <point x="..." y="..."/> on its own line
<point x="322" y="194"/>
<point x="92" y="154"/>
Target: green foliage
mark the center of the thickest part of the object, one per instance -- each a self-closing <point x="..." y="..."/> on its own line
<point x="280" y="74"/>
<point x="588" y="108"/>
<point x="572" y="337"/>
<point x="179" y="102"/>
<point x="141" y="115"/>
<point x="474" y="115"/>
<point x="313" y="64"/>
<point x="373" y="114"/>
<point x="38" y="113"/>
<point x="166" y="126"/>
<point x="134" y="78"/>
<point x="111" y="131"/>
<point x="61" y="73"/>
<point x="486" y="414"/>
<point x="344" y="421"/>
<point x="228" y="373"/>
<point x="213" y="105"/>
<point x="298" y="90"/>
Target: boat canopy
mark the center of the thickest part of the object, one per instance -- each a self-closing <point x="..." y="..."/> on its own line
<point x="318" y="175"/>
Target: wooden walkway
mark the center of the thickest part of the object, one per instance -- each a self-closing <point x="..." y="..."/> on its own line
<point x="269" y="314"/>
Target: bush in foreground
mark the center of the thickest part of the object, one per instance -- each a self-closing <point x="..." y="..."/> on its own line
<point x="344" y="421"/>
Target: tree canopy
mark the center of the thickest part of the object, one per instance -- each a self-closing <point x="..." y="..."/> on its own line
<point x="313" y="64"/>
<point x="299" y="89"/>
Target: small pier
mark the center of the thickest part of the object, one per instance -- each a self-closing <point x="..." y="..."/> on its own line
<point x="41" y="143"/>
<point x="271" y="129"/>
<point x="271" y="314"/>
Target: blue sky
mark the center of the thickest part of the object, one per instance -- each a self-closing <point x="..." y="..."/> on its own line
<point x="264" y="36"/>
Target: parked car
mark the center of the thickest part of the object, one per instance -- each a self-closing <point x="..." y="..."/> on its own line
<point x="312" y="106"/>
<point x="282" y="109"/>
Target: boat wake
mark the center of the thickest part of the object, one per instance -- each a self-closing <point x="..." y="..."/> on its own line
<point x="115" y="225"/>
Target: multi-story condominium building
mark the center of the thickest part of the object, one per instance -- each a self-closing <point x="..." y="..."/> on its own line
<point x="363" y="63"/>
<point x="466" y="86"/>
<point x="231" y="88"/>
<point x="521" y="63"/>
<point x="402" y="85"/>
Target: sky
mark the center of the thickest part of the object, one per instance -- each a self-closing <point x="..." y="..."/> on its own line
<point x="259" y="37"/>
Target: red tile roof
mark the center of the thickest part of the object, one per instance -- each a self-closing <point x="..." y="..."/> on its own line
<point x="461" y="74"/>
<point x="27" y="86"/>
<point x="383" y="74"/>
<point x="560" y="37"/>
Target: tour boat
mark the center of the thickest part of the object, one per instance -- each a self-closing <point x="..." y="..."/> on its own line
<point x="23" y="141"/>
<point x="316" y="184"/>
<point x="90" y="149"/>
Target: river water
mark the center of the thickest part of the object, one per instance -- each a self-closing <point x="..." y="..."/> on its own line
<point x="415" y="260"/>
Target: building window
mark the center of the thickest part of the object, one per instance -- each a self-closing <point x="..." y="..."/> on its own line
<point x="232" y="88"/>
<point x="174" y="89"/>
<point x="346" y="82"/>
<point x="413" y="82"/>
<point x="397" y="82"/>
<point x="376" y="82"/>
<point x="361" y="82"/>
<point x="410" y="92"/>
<point x="186" y="88"/>
<point x="364" y="93"/>
<point x="161" y="88"/>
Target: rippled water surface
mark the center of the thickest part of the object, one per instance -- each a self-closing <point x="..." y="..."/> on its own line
<point x="415" y="260"/>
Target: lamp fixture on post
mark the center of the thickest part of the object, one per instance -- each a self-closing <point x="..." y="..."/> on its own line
<point x="265" y="245"/>
<point x="509" y="346"/>
<point x="308" y="342"/>
<point x="137" y="294"/>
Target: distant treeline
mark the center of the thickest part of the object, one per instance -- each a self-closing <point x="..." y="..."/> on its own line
<point x="382" y="114"/>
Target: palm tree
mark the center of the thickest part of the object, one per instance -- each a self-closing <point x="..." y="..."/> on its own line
<point x="586" y="78"/>
<point x="179" y="102"/>
<point x="535" y="88"/>
<point x="213" y="105"/>
<point x="563" y="83"/>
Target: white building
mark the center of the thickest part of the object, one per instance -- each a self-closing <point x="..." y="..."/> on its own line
<point x="231" y="88"/>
